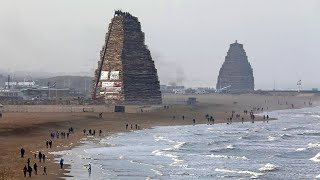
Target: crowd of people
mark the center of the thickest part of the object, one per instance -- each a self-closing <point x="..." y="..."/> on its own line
<point x="27" y="169"/>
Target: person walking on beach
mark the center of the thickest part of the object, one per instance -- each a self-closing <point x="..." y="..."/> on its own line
<point x="100" y="132"/>
<point x="35" y="167"/>
<point x="28" y="161"/>
<point x="50" y="143"/>
<point x="242" y="120"/>
<point x="194" y="121"/>
<point x="182" y="117"/>
<point x="61" y="163"/>
<point x="44" y="170"/>
<point x="84" y="132"/>
<point x="89" y="169"/>
<point x="127" y="126"/>
<point x="29" y="170"/>
<point x="47" y="144"/>
<point x="40" y="156"/>
<point x="22" y="151"/>
<point x="43" y="158"/>
<point x="25" y="169"/>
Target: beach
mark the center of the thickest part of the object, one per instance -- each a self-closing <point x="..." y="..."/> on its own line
<point x="32" y="130"/>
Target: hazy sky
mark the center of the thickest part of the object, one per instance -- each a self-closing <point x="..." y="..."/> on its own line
<point x="187" y="38"/>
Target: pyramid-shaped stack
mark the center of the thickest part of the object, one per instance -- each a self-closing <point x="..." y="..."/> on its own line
<point x="236" y="71"/>
<point x="128" y="73"/>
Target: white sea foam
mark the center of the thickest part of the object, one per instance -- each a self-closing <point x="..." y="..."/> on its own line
<point x="301" y="149"/>
<point x="316" y="158"/>
<point x="269" y="167"/>
<point x="230" y="146"/>
<point x="228" y="157"/>
<point x="272" y="138"/>
<point x="179" y="145"/>
<point x="255" y="174"/>
<point x="313" y="145"/>
<point x="161" y="138"/>
<point x="157" y="172"/>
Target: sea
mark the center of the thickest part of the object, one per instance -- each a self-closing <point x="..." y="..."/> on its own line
<point x="287" y="148"/>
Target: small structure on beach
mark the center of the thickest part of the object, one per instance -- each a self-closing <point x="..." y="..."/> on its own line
<point x="236" y="72"/>
<point x="192" y="101"/>
<point x="120" y="109"/>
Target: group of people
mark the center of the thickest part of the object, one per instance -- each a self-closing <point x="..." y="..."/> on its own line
<point x="136" y="126"/>
<point x="210" y="119"/>
<point x="41" y="156"/>
<point x="49" y="144"/>
<point x="92" y="133"/>
<point x="28" y="169"/>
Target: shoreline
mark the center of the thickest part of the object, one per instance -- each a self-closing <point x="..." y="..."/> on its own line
<point x="31" y="130"/>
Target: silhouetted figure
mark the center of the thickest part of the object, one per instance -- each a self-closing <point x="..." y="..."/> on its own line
<point x="25" y="169"/>
<point x="47" y="144"/>
<point x="29" y="170"/>
<point x="89" y="169"/>
<point x="40" y="156"/>
<point x="90" y="131"/>
<point x="136" y="126"/>
<point x="84" y="132"/>
<point x="50" y="143"/>
<point x="44" y="170"/>
<point x="194" y="121"/>
<point x="183" y="117"/>
<point x="242" y="120"/>
<point x="100" y="132"/>
<point x="35" y="167"/>
<point x="22" y="151"/>
<point x="61" y="163"/>
<point x="43" y="158"/>
<point x="28" y="161"/>
<point x="127" y="126"/>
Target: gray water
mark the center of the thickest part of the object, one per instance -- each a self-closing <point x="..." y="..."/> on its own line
<point x="283" y="149"/>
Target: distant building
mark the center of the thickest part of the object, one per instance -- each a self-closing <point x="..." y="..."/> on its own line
<point x="236" y="72"/>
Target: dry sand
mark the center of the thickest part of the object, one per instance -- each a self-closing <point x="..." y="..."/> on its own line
<point x="31" y="130"/>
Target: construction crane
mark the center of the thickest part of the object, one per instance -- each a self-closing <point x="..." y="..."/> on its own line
<point x="94" y="93"/>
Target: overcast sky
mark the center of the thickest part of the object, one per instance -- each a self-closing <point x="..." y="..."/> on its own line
<point x="188" y="39"/>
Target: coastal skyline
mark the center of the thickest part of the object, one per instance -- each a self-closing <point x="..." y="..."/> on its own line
<point x="188" y="40"/>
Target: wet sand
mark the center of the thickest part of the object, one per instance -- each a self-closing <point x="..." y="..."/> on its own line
<point x="32" y="130"/>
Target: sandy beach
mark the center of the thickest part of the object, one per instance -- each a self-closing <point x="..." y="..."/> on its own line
<point x="32" y="130"/>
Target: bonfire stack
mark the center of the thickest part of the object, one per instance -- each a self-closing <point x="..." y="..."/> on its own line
<point x="236" y="71"/>
<point x="128" y="72"/>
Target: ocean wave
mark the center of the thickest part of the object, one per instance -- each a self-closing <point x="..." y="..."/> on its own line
<point x="255" y="174"/>
<point x="157" y="172"/>
<point x="161" y="138"/>
<point x="316" y="116"/>
<point x="269" y="167"/>
<point x="272" y="138"/>
<point x="316" y="158"/>
<point x="310" y="133"/>
<point x="285" y="136"/>
<point x="293" y="128"/>
<point x="301" y="149"/>
<point x="313" y="145"/>
<point x="179" y="145"/>
<point x="229" y="147"/>
<point x="228" y="157"/>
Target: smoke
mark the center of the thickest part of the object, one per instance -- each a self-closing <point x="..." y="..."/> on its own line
<point x="180" y="77"/>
